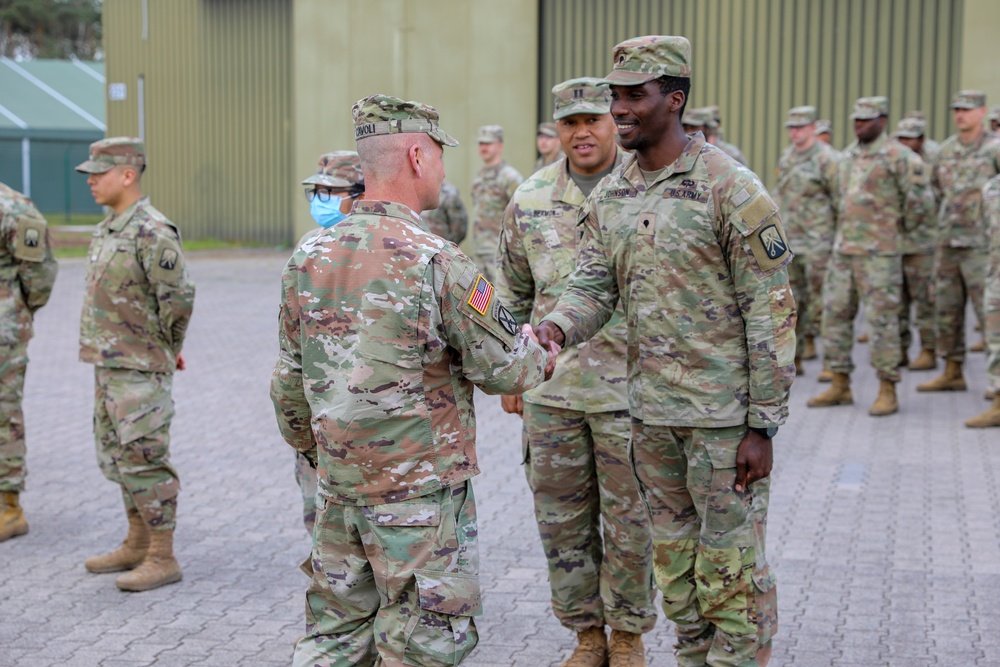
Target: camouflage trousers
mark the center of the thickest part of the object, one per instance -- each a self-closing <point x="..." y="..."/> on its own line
<point x="708" y="544"/>
<point x="305" y="477"/>
<point x="132" y="413"/>
<point x="959" y="275"/>
<point x="805" y="274"/>
<point x="918" y="295"/>
<point x="578" y="471"/>
<point x="13" y="363"/>
<point x="394" y="584"/>
<point x="878" y="281"/>
<point x="991" y="325"/>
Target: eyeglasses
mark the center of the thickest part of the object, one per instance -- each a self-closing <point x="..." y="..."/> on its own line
<point x="325" y="195"/>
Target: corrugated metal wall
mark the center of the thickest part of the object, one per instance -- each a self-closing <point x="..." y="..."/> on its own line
<point x="758" y="58"/>
<point x="216" y="77"/>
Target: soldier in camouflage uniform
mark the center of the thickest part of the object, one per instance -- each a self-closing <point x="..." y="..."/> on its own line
<point x="991" y="307"/>
<point x="27" y="275"/>
<point x="576" y="425"/>
<point x="824" y="131"/>
<point x="136" y="309"/>
<point x="918" y="261"/>
<point x="492" y="189"/>
<point x="713" y="134"/>
<point x="806" y="196"/>
<point x="691" y="243"/>
<point x="930" y="149"/>
<point x="331" y="192"/>
<point x="884" y="189"/>
<point x="994" y="119"/>
<point x="449" y="220"/>
<point x="967" y="161"/>
<point x="384" y="329"/>
<point x="549" y="148"/>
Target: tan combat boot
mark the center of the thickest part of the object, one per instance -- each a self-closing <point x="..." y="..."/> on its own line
<point x="886" y="403"/>
<point x="950" y="380"/>
<point x="839" y="393"/>
<point x="810" y="349"/>
<point x="12" y="521"/>
<point x="158" y="568"/>
<point x="978" y="347"/>
<point x="591" y="650"/>
<point x="863" y="338"/>
<point x="129" y="554"/>
<point x="798" y="366"/>
<point x="987" y="419"/>
<point x="825" y="375"/>
<point x="925" y="361"/>
<point x="626" y="650"/>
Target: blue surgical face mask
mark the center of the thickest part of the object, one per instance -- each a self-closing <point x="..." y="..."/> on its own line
<point x="326" y="213"/>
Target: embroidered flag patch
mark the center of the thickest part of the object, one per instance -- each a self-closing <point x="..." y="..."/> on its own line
<point x="481" y="295"/>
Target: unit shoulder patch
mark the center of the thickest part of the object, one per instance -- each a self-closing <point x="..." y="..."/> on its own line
<point x="769" y="246"/>
<point x="168" y="261"/>
<point x="29" y="245"/>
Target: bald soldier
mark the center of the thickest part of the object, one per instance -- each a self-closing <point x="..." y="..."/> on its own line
<point x="968" y="159"/>
<point x="884" y="189"/>
<point x="384" y="329"/>
<point x="918" y="260"/>
<point x="690" y="242"/>
<point x="492" y="189"/>
<point x="136" y="309"/>
<point x="27" y="275"/>
<point x="807" y="197"/>
<point x="593" y="526"/>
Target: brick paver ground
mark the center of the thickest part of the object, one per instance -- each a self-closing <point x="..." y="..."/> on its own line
<point x="883" y="532"/>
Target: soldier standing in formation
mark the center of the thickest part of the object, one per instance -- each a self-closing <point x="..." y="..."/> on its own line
<point x="918" y="261"/>
<point x="824" y="131"/>
<point x="994" y="119"/>
<point x="806" y="195"/>
<point x="449" y="220"/>
<point x="691" y="243"/>
<point x="713" y="134"/>
<point x="136" y="310"/>
<point x="492" y="189"/>
<point x="884" y="187"/>
<point x="968" y="159"/>
<point x="547" y="143"/>
<point x="27" y="275"/>
<point x="991" y="307"/>
<point x="386" y="413"/>
<point x="576" y="425"/>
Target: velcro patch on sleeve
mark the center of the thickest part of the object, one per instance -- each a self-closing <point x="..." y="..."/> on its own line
<point x="168" y="261"/>
<point x="759" y="209"/>
<point x="29" y="245"/>
<point x="769" y="245"/>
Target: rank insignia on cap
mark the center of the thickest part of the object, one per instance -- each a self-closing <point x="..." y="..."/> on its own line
<point x="168" y="259"/>
<point x="774" y="244"/>
<point x="481" y="295"/>
<point x="506" y="320"/>
<point x="31" y="237"/>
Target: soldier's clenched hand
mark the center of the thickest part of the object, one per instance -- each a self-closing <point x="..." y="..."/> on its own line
<point x="754" y="459"/>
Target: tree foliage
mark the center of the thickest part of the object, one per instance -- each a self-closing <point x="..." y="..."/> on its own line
<point x="50" y="29"/>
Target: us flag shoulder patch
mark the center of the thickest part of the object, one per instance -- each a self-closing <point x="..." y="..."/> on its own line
<point x="481" y="295"/>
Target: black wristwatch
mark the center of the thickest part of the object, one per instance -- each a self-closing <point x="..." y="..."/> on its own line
<point x="768" y="432"/>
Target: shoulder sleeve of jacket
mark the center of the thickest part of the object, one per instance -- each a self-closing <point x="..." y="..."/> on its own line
<point x="515" y="282"/>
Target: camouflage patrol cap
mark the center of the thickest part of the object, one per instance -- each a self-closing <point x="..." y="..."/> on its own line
<point x="994" y="113"/>
<point x="641" y="59"/>
<point x="548" y="129"/>
<point x="824" y="126"/>
<point x="489" y="134"/>
<point x="713" y="109"/>
<point x="968" y="99"/>
<point x="383" y="114"/>
<point x="916" y="113"/>
<point x="107" y="154"/>
<point x="697" y="117"/>
<point x="584" y="95"/>
<point x="339" y="169"/>
<point x="910" y="128"/>
<point x="869" y="108"/>
<point x="801" y="116"/>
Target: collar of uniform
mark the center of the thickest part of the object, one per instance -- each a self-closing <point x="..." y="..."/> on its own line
<point x="683" y="164"/>
<point x="389" y="209"/>
<point x="566" y="190"/>
<point x="117" y="222"/>
<point x="872" y="148"/>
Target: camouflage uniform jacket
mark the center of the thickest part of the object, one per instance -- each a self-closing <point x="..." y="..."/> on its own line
<point x="807" y="197"/>
<point x="541" y="162"/>
<point x="383" y="330"/>
<point x="138" y="298"/>
<point x="449" y="220"/>
<point x="699" y="260"/>
<point x="991" y="218"/>
<point x="920" y="239"/>
<point x="960" y="173"/>
<point x="27" y="269"/>
<point x="731" y="150"/>
<point x="930" y="152"/>
<point x="884" y="191"/>
<point x="491" y="192"/>
<point x="536" y="257"/>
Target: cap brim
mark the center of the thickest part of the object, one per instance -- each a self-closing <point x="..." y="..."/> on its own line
<point x="857" y="116"/>
<point x="443" y="138"/>
<point x="328" y="181"/>
<point x="964" y="105"/>
<point x="582" y="107"/>
<point x="906" y="135"/>
<point x="620" y="77"/>
<point x="797" y="124"/>
<point x="91" y="167"/>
